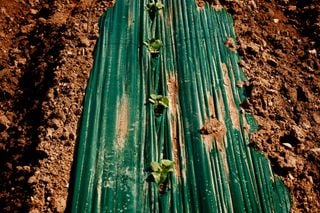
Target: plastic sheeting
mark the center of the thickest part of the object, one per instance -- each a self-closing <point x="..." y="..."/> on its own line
<point x="203" y="131"/>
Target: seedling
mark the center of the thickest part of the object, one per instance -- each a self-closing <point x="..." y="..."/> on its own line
<point x="152" y="8"/>
<point x="159" y="173"/>
<point x="160" y="103"/>
<point x="153" y="45"/>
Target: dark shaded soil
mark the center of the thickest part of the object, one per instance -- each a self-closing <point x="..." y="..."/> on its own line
<point x="45" y="60"/>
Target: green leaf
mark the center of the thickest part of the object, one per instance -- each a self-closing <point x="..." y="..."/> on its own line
<point x="163" y="177"/>
<point x="155" y="166"/>
<point x="156" y="44"/>
<point x="157" y="177"/>
<point x="152" y="7"/>
<point x="146" y="43"/>
<point x="164" y="101"/>
<point x="154" y="97"/>
<point x="167" y="166"/>
<point x="153" y="45"/>
<point x="159" y="5"/>
<point x="167" y="163"/>
<point x="151" y="100"/>
<point x="159" y="99"/>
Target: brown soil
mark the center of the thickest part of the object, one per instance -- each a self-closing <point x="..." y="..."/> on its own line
<point x="45" y="60"/>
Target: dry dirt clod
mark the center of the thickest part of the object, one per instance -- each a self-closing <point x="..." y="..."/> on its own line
<point x="84" y="41"/>
<point x="32" y="180"/>
<point x="4" y="123"/>
<point x="316" y="117"/>
<point x="213" y="127"/>
<point x="230" y="43"/>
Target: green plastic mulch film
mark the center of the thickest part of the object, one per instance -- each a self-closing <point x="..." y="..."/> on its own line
<point x="202" y="130"/>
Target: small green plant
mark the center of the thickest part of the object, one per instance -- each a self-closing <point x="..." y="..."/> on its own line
<point x="153" y="7"/>
<point x="159" y="173"/>
<point x="159" y="100"/>
<point x="153" y="45"/>
<point x="160" y="103"/>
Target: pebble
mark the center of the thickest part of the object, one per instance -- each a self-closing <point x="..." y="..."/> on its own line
<point x="42" y="20"/>
<point x="292" y="8"/>
<point x="313" y="51"/>
<point x="84" y="41"/>
<point x="288" y="145"/>
<point x="4" y="123"/>
<point x="291" y="176"/>
<point x="34" y="11"/>
<point x="32" y="180"/>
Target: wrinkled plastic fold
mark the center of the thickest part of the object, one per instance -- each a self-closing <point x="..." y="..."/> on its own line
<point x="203" y="130"/>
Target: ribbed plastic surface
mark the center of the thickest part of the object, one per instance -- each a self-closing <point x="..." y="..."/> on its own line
<point x="120" y="134"/>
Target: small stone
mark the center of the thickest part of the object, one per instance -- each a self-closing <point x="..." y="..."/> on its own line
<point x="25" y="29"/>
<point x="290" y="176"/>
<point x="4" y="123"/>
<point x="20" y="61"/>
<point x="49" y="132"/>
<point x="276" y="20"/>
<point x="292" y="8"/>
<point x="27" y="168"/>
<point x="288" y="145"/>
<point x="46" y="179"/>
<point x="34" y="11"/>
<point x="42" y="20"/>
<point x="313" y="52"/>
<point x="84" y="41"/>
<point x="316" y="150"/>
<point x="19" y="168"/>
<point x="32" y="180"/>
<point x="253" y="4"/>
